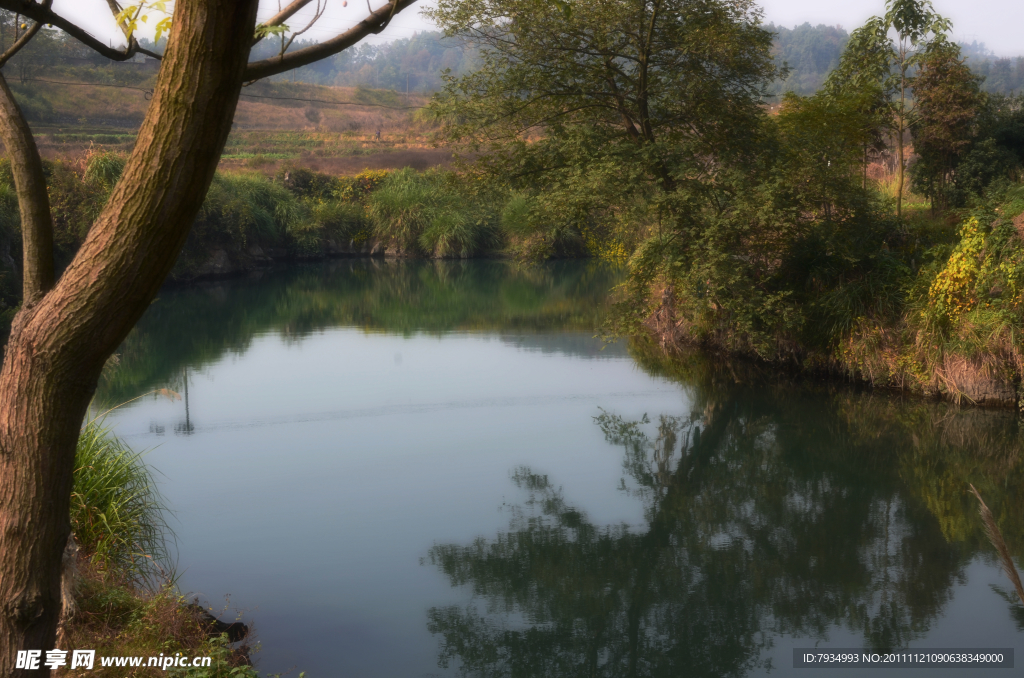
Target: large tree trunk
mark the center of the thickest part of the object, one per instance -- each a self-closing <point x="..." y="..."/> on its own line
<point x="58" y="346"/>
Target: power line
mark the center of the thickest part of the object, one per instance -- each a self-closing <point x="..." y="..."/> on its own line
<point x="93" y="84"/>
<point x="335" y="103"/>
<point x="149" y="93"/>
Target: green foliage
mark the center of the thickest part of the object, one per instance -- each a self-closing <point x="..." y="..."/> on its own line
<point x="75" y="202"/>
<point x="305" y="183"/>
<point x="105" y="169"/>
<point x="222" y="664"/>
<point x="414" y="213"/>
<point x="245" y="208"/>
<point x="358" y="188"/>
<point x="809" y="53"/>
<point x="625" y="134"/>
<point x="949" y="102"/>
<point x="116" y="513"/>
<point x="879" y="73"/>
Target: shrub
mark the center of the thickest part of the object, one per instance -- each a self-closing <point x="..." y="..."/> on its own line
<point x="105" y="169"/>
<point x="245" y="208"/>
<point x="429" y="213"/>
<point x="359" y="187"/>
<point x="457" y="233"/>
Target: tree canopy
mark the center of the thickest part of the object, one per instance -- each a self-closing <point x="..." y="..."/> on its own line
<point x="617" y="98"/>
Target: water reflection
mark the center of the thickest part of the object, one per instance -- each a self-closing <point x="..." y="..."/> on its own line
<point x="770" y="510"/>
<point x="546" y="308"/>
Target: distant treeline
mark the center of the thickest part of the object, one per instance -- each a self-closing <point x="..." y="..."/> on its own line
<point x="417" y="64"/>
<point x="812" y="52"/>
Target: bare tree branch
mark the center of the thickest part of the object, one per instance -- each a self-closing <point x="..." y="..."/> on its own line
<point x="33" y="201"/>
<point x="42" y="14"/>
<point x="282" y="15"/>
<point x="23" y="40"/>
<point x="376" y="22"/>
<point x="316" y="17"/>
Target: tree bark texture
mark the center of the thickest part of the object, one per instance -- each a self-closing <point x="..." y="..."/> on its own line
<point x="59" y="345"/>
<point x="33" y="200"/>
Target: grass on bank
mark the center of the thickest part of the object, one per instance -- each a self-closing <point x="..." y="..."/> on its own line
<point x="125" y="602"/>
<point x="116" y="512"/>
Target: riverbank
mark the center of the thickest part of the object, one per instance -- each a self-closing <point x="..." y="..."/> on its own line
<point x="249" y="220"/>
<point x="936" y="311"/>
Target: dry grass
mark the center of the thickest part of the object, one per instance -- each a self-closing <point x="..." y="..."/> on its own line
<point x="117" y="618"/>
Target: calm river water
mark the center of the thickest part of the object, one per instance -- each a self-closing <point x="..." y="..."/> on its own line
<point x="407" y="469"/>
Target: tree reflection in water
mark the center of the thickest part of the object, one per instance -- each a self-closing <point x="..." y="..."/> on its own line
<point x="766" y="513"/>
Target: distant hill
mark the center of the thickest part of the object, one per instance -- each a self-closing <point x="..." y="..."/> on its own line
<point x="414" y="65"/>
<point x="1003" y="75"/>
<point x="810" y="52"/>
<point x="411" y="64"/>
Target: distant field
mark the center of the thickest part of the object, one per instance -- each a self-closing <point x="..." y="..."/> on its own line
<point x="275" y="123"/>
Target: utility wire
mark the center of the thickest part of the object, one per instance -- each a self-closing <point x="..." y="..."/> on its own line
<point x="149" y="93"/>
<point x="335" y="103"/>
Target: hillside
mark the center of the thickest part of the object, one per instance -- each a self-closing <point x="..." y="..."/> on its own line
<point x="328" y="128"/>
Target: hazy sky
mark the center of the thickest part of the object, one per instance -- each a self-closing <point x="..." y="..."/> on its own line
<point x="997" y="23"/>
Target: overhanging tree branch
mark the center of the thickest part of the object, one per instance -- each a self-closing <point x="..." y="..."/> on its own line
<point x="133" y="44"/>
<point x="376" y="22"/>
<point x="283" y="16"/>
<point x="24" y="39"/>
<point x="41" y="13"/>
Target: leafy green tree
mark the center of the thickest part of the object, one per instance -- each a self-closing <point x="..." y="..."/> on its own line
<point x="874" y="65"/>
<point x="612" y="102"/>
<point x="913" y="21"/>
<point x="856" y="86"/>
<point x="949" y="101"/>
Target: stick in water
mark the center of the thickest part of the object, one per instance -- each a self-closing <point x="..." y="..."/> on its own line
<point x="996" y="537"/>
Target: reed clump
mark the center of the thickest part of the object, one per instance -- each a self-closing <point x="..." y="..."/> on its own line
<point x="117" y="515"/>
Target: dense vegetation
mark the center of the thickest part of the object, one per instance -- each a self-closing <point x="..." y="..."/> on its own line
<point x="248" y="220"/>
<point x="770" y="236"/>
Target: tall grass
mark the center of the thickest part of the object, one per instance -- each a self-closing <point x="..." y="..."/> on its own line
<point x="247" y="207"/>
<point x="105" y="168"/>
<point x="116" y="512"/>
<point x="402" y="209"/>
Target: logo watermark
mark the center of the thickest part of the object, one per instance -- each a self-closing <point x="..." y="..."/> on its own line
<point x="86" y="659"/>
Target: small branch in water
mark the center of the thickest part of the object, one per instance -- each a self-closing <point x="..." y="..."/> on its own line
<point x="996" y="537"/>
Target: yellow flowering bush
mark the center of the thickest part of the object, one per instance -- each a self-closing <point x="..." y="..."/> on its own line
<point x="952" y="293"/>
